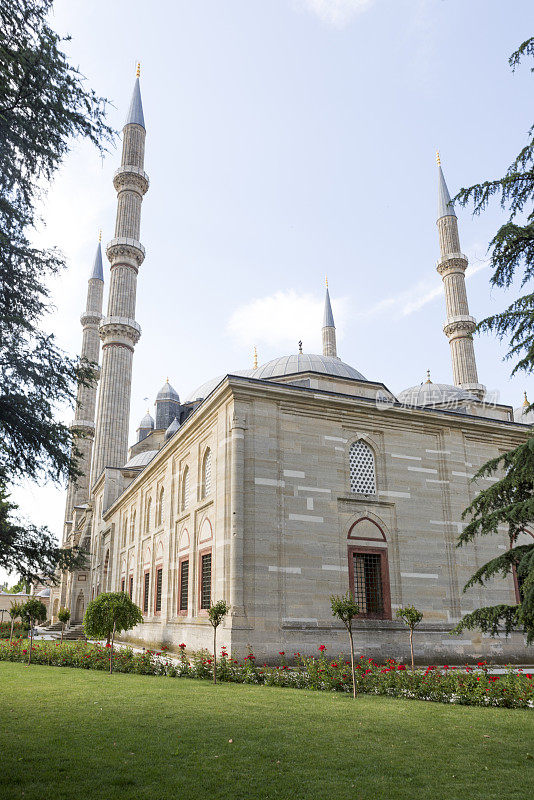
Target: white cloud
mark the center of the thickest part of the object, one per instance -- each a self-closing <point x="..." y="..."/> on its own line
<point x="281" y="319"/>
<point x="336" y="12"/>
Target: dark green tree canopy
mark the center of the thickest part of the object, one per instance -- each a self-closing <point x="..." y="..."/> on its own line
<point x="109" y="611"/>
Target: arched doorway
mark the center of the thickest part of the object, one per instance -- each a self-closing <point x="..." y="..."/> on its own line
<point x="80" y="608"/>
<point x="55" y="609"/>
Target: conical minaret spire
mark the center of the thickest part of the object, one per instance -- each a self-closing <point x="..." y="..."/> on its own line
<point x="452" y="265"/>
<point x="119" y="331"/>
<point x="84" y="419"/>
<point x="329" y="329"/>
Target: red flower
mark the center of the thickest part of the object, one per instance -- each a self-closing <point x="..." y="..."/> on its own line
<point x="182" y="646"/>
<point x="281" y="653"/>
<point x="401" y="666"/>
<point x="24" y="651"/>
<point x="322" y="648"/>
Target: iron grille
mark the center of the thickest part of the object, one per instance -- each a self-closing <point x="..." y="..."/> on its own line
<point x="368" y="583"/>
<point x="184" y="584"/>
<point x="205" y="581"/>
<point x="145" y="595"/>
<point x="159" y="581"/>
<point x="131" y="587"/>
<point x="123" y="584"/>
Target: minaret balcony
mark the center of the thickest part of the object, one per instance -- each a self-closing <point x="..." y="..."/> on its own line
<point x="452" y="262"/>
<point x="85" y="425"/>
<point x="129" y="177"/>
<point x="123" y="250"/>
<point x="119" y="331"/>
<point x="463" y="325"/>
<point x="88" y="318"/>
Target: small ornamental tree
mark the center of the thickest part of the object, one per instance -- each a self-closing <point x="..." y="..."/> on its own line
<point x="216" y="614"/>
<point x="411" y="618"/>
<point x="63" y="616"/>
<point x="345" y="608"/>
<point x="34" y="611"/>
<point x="14" y="612"/>
<point x="108" y="614"/>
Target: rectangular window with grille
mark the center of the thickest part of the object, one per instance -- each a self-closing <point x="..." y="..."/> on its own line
<point x="159" y="584"/>
<point x="145" y="592"/>
<point x="205" y="581"/>
<point x="123" y="581"/>
<point x="367" y="587"/>
<point x="184" y="585"/>
<point x="130" y="590"/>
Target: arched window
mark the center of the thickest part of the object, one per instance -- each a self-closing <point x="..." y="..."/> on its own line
<point x="368" y="569"/>
<point x="124" y="531"/>
<point x="161" y="500"/>
<point x="185" y="488"/>
<point x="132" y="526"/>
<point x="206" y="473"/>
<point x="362" y="468"/>
<point x="148" y="509"/>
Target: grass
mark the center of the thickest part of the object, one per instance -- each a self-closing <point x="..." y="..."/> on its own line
<point x="68" y="733"/>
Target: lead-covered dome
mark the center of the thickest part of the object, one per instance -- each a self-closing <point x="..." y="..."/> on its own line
<point x="435" y="394"/>
<point x="305" y="362"/>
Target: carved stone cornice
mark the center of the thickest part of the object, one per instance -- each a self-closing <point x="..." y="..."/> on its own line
<point x="119" y="330"/>
<point x="130" y="178"/>
<point x="462" y="326"/>
<point x="453" y="262"/>
<point x="86" y="425"/>
<point x="88" y="319"/>
<point x="124" y="250"/>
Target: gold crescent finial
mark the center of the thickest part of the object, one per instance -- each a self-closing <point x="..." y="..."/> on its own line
<point x="100" y="235"/>
<point x="326" y="280"/>
<point x="438" y="159"/>
<point x="255" y="361"/>
<point x="428" y="376"/>
<point x="525" y="401"/>
<point x="167" y="379"/>
<point x="138" y="70"/>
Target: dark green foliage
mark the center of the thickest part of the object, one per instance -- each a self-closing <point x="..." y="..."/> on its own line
<point x="216" y="614"/>
<point x="111" y="611"/>
<point x="30" y="550"/>
<point x="34" y="610"/>
<point x="63" y="615"/>
<point x="410" y="616"/>
<point x="44" y="104"/>
<point x="345" y="608"/>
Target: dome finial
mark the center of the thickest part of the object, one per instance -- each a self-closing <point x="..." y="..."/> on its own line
<point x="255" y="360"/>
<point x="138" y="70"/>
<point x="326" y="280"/>
<point x="525" y="401"/>
<point x="428" y="376"/>
<point x="438" y="159"/>
<point x="300" y="346"/>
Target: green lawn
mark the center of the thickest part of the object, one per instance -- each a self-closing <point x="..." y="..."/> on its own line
<point x="68" y="733"/>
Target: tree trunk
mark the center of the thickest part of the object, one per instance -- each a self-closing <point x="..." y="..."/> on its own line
<point x="352" y="664"/>
<point x="214" y="654"/>
<point x="411" y="647"/>
<point x="111" y="651"/>
<point x="31" y="642"/>
<point x="62" y="631"/>
<point x="12" y="626"/>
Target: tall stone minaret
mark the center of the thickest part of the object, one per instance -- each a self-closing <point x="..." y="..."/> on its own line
<point x="329" y="329"/>
<point x="118" y="330"/>
<point x="84" y="418"/>
<point x="460" y="325"/>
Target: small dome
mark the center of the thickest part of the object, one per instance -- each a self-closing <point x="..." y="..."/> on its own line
<point x="434" y="394"/>
<point x="171" y="430"/>
<point x="167" y="393"/>
<point x="523" y="415"/>
<point x="146" y="423"/>
<point x="304" y="362"/>
<point x="44" y="592"/>
<point x="207" y="388"/>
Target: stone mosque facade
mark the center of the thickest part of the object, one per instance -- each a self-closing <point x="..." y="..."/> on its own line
<point x="275" y="487"/>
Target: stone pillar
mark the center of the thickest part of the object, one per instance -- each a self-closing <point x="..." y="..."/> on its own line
<point x="237" y="512"/>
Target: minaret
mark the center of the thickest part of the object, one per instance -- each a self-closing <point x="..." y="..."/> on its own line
<point x="119" y="331"/>
<point x="329" y="329"/>
<point x="84" y="418"/>
<point x="460" y="325"/>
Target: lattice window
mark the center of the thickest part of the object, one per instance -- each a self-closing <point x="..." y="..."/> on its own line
<point x="161" y="501"/>
<point x="206" y="476"/>
<point x="132" y="526"/>
<point x="362" y="468"/>
<point x="205" y="581"/>
<point x="159" y="584"/>
<point x="185" y="488"/>
<point x="146" y="589"/>
<point x="184" y="584"/>
<point x="368" y="583"/>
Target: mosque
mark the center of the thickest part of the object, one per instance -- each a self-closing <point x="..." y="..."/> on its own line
<point x="275" y="487"/>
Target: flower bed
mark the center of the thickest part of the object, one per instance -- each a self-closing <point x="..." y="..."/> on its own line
<point x="462" y="685"/>
<point x="19" y="628"/>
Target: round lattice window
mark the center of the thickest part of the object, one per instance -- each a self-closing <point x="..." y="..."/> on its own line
<point x="362" y="468"/>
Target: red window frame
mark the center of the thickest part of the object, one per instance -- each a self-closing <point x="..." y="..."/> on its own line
<point x="158" y="588"/>
<point x="182" y="560"/>
<point x="146" y="591"/>
<point x="384" y="577"/>
<point x="207" y="551"/>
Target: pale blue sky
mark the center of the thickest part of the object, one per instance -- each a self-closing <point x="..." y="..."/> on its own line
<point x="287" y="139"/>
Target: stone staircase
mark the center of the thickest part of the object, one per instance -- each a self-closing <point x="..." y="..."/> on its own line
<point x="70" y="635"/>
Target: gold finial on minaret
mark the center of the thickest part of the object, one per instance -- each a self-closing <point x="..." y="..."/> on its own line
<point x="438" y="159"/>
<point x="326" y="280"/>
<point x="100" y="235"/>
<point x="138" y="70"/>
<point x="525" y="401"/>
<point x="167" y="379"/>
<point x="255" y="360"/>
<point x="428" y="376"/>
